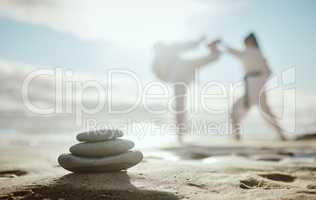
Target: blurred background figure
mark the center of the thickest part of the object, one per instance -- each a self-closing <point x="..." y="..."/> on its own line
<point x="87" y="40"/>
<point x="170" y="67"/>
<point x="257" y="73"/>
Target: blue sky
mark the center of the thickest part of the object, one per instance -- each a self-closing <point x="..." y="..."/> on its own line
<point x="286" y="29"/>
<point x="89" y="37"/>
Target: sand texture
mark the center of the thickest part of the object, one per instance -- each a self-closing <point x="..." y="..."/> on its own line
<point x="219" y="172"/>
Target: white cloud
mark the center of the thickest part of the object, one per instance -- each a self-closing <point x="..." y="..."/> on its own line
<point x="118" y="20"/>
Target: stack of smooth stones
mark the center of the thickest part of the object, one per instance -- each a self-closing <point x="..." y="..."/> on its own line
<point x="100" y="151"/>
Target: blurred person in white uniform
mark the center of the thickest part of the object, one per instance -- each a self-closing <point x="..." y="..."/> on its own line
<point x="257" y="73"/>
<point x="171" y="67"/>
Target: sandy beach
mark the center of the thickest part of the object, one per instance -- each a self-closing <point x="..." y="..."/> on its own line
<point x="157" y="100"/>
<point x="245" y="170"/>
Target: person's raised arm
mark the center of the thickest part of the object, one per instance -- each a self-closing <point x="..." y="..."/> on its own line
<point x="234" y="52"/>
<point x="215" y="52"/>
<point x="185" y="46"/>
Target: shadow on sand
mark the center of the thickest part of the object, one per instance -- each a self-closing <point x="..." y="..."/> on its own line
<point x="92" y="186"/>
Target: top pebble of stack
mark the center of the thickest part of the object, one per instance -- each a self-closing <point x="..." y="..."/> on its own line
<point x="99" y="135"/>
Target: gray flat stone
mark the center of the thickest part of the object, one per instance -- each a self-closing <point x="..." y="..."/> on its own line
<point x="101" y="149"/>
<point x="99" y="135"/>
<point x="107" y="164"/>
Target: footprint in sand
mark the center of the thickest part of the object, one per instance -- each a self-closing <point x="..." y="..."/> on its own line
<point x="311" y="187"/>
<point x="267" y="181"/>
<point x="278" y="177"/>
<point x="12" y="173"/>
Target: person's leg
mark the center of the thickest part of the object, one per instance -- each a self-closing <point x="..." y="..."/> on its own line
<point x="269" y="116"/>
<point x="180" y="91"/>
<point x="239" y="111"/>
